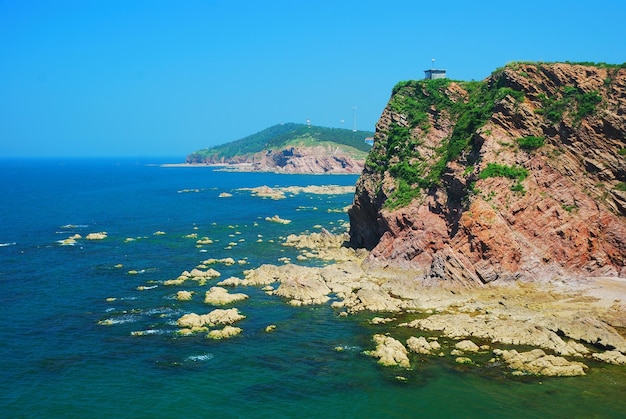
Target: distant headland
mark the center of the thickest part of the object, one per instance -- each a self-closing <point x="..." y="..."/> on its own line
<point x="291" y="148"/>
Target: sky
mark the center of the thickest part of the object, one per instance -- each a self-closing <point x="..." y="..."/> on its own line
<point x="156" y="78"/>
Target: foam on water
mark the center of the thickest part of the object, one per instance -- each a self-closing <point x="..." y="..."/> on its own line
<point x="200" y="358"/>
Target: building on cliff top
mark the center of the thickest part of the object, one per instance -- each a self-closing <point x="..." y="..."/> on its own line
<point x="433" y="73"/>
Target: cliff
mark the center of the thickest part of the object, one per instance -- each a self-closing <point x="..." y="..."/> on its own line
<point x="291" y="148"/>
<point x="519" y="176"/>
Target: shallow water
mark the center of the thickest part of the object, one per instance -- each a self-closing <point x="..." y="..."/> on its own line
<point x="68" y="352"/>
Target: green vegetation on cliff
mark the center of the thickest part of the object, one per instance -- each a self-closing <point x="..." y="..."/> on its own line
<point x="417" y="162"/>
<point x="470" y="107"/>
<point x="282" y="136"/>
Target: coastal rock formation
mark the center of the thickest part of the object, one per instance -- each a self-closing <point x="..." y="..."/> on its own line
<point x="571" y="318"/>
<point x="521" y="176"/>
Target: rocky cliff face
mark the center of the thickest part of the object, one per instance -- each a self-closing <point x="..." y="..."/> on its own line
<point x="300" y="160"/>
<point x="522" y="175"/>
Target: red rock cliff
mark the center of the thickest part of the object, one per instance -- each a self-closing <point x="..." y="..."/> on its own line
<point x="557" y="205"/>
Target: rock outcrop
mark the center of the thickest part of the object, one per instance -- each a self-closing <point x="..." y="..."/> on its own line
<point x="521" y="176"/>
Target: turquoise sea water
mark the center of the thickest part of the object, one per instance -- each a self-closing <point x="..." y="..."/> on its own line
<point x="68" y="352"/>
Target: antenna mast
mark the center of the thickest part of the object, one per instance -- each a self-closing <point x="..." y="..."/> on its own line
<point x="354" y="119"/>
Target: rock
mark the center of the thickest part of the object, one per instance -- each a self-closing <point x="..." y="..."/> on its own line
<point x="277" y="219"/>
<point x="270" y="328"/>
<point x="303" y="289"/>
<point x="195" y="275"/>
<point x="381" y="320"/>
<point x="538" y="363"/>
<point x="203" y="241"/>
<point x="390" y="352"/>
<point x="231" y="282"/>
<point x="611" y="357"/>
<point x="421" y="346"/>
<point x="467" y="346"/>
<point x="97" y="236"/>
<point x="496" y="329"/>
<point x="215" y="317"/>
<point x="184" y="295"/>
<point x="226" y="332"/>
<point x="219" y="296"/>
<point x="463" y="360"/>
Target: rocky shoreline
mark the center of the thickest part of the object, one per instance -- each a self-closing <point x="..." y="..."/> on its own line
<point x="547" y="328"/>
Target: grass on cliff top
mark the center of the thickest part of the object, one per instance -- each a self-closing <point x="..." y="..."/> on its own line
<point x="284" y="135"/>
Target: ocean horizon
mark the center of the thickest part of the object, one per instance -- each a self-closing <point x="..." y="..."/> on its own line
<point x="88" y="327"/>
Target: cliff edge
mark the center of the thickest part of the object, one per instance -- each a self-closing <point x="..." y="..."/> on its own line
<point x="519" y="176"/>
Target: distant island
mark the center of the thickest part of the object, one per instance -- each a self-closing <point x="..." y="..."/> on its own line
<point x="291" y="148"/>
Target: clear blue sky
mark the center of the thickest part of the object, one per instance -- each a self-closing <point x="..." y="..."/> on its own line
<point x="165" y="78"/>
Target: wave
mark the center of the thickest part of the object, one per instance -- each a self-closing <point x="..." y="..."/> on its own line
<point x="200" y="358"/>
<point x="148" y="332"/>
<point x="7" y="244"/>
<point x="126" y="318"/>
<point x="69" y="226"/>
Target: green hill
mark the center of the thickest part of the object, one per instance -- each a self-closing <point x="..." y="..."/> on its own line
<point x="282" y="136"/>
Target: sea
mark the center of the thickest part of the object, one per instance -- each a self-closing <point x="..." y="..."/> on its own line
<point x="88" y="329"/>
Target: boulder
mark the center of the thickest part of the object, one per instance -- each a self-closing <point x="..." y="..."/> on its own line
<point x="390" y="352"/>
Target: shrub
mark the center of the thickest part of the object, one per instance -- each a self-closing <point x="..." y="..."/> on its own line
<point x="531" y="142"/>
<point x="518" y="187"/>
<point x="622" y="152"/>
<point x="501" y="170"/>
<point x="621" y="186"/>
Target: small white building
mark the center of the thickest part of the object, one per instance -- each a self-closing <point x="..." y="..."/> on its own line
<point x="433" y="73"/>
